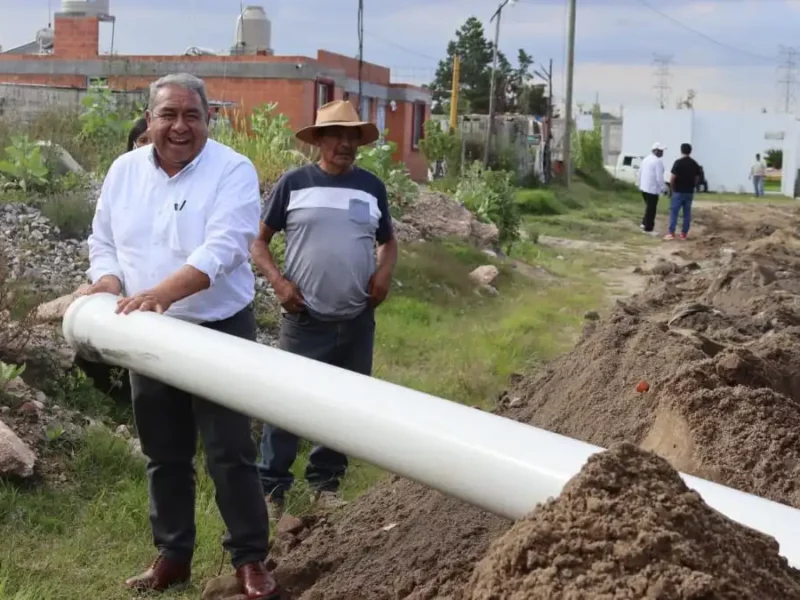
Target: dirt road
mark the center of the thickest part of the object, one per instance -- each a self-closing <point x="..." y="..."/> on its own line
<point x="714" y="330"/>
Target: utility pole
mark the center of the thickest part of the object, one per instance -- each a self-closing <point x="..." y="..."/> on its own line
<point x="788" y="81"/>
<point x="567" y="141"/>
<point x="663" y="88"/>
<point x="497" y="14"/>
<point x="548" y="119"/>
<point x="454" y="94"/>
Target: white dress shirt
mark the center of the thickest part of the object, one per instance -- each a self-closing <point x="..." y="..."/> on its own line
<point x="148" y="225"/>
<point x="651" y="175"/>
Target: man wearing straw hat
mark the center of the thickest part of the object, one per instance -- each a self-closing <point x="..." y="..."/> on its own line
<point x="333" y="214"/>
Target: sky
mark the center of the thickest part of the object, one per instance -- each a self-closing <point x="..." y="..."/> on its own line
<point x="727" y="51"/>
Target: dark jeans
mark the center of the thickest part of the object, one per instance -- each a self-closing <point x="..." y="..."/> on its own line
<point x="650" y="208"/>
<point x="681" y="201"/>
<point x="168" y="420"/>
<point x="345" y="344"/>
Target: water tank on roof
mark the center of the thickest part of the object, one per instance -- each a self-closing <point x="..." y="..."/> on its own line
<point x="98" y="8"/>
<point x="253" y="32"/>
<point x="44" y="37"/>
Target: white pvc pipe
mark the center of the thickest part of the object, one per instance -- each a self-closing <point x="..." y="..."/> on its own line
<point x="497" y="464"/>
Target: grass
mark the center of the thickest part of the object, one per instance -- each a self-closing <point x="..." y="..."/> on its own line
<point x="435" y="334"/>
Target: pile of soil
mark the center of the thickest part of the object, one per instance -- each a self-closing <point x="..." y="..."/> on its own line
<point x="628" y="527"/>
<point x="717" y="343"/>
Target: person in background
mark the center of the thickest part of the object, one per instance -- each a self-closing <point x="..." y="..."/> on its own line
<point x="757" y="173"/>
<point x="651" y="184"/>
<point x="137" y="136"/>
<point x="333" y="214"/>
<point x="684" y="178"/>
<point x="171" y="234"/>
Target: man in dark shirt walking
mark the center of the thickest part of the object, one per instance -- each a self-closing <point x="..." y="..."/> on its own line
<point x="685" y="175"/>
<point x="334" y="214"/>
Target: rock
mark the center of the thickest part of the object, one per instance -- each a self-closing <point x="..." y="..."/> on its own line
<point x="591" y="315"/>
<point x="664" y="267"/>
<point x="436" y="216"/>
<point x="123" y="432"/>
<point x="16" y="458"/>
<point x="727" y="255"/>
<point x="289" y="524"/>
<point x="226" y="587"/>
<point x="484" y="275"/>
<point x="56" y="309"/>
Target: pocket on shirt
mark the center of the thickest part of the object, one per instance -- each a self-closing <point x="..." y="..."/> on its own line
<point x="184" y="231"/>
<point x="358" y="211"/>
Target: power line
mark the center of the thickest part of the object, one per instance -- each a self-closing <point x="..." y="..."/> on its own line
<point x="788" y="70"/>
<point x="706" y="37"/>
<point x="663" y="75"/>
<point x="383" y="39"/>
<point x="360" y="56"/>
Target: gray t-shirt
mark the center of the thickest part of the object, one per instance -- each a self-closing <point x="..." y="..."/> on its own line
<point x="332" y="223"/>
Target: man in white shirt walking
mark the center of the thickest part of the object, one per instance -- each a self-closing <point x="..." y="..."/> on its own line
<point x="757" y="173"/>
<point x="651" y="184"/>
<point x="171" y="234"/>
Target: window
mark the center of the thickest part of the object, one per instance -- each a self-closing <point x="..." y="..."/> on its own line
<point x="364" y="110"/>
<point x="324" y="93"/>
<point x="418" y="125"/>
<point x="627" y="161"/>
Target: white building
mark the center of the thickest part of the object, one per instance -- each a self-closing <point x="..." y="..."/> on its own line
<point x="725" y="144"/>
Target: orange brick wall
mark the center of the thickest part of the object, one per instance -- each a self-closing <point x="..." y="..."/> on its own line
<point x="370" y="72"/>
<point x="400" y="123"/>
<point x="295" y="98"/>
<point x="76" y="37"/>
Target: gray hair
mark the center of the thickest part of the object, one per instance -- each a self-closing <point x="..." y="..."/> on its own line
<point x="184" y="80"/>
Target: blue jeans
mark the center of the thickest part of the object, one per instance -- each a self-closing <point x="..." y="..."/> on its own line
<point x="758" y="185"/>
<point x="680" y="201"/>
<point x="345" y="344"/>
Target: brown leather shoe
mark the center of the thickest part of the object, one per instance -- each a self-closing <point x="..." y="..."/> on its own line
<point x="162" y="574"/>
<point x="258" y="583"/>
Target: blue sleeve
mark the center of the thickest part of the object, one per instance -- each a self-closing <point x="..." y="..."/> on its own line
<point x="277" y="206"/>
<point x="385" y="231"/>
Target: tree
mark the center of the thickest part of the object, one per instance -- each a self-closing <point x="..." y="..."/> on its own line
<point x="515" y="91"/>
<point x="475" y="54"/>
<point x="774" y="158"/>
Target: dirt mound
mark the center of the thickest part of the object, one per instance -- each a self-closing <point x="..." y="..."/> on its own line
<point x="400" y="540"/>
<point x="717" y="345"/>
<point x="628" y="527"/>
<point x="437" y="216"/>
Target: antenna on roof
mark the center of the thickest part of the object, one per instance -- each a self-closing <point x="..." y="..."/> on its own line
<point x="49" y="13"/>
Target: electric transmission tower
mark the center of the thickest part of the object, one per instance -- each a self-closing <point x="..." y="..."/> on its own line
<point x="663" y="76"/>
<point x="787" y="81"/>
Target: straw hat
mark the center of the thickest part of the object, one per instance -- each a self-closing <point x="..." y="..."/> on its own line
<point x="339" y="113"/>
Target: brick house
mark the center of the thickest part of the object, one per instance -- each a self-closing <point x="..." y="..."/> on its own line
<point x="298" y="84"/>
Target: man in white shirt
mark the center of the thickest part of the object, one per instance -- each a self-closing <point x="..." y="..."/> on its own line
<point x="757" y="173"/>
<point x="651" y="184"/>
<point x="171" y="234"/>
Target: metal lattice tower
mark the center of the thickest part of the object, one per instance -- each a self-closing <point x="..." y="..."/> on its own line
<point x="787" y="71"/>
<point x="663" y="87"/>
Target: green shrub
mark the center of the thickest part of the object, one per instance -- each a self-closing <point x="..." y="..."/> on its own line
<point x="441" y="149"/>
<point x="23" y="166"/>
<point x="542" y="202"/>
<point x="267" y="140"/>
<point x="400" y="188"/>
<point x="71" y="212"/>
<point x="489" y="195"/>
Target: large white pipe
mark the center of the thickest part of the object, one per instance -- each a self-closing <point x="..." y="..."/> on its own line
<point x="500" y="465"/>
